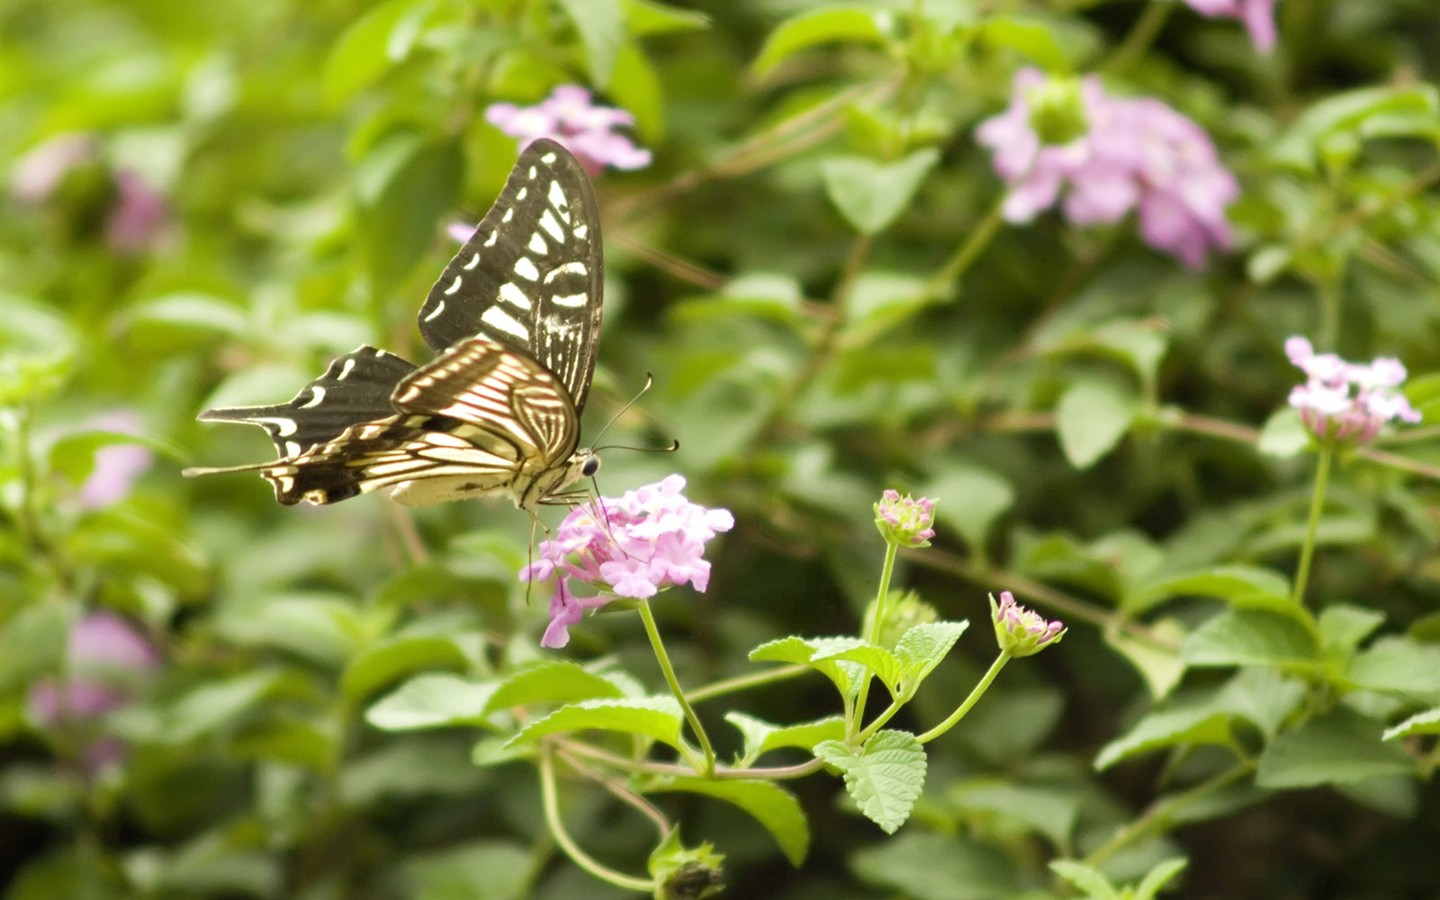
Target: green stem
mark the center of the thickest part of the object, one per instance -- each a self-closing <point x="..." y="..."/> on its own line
<point x="877" y="625"/>
<point x="1317" y="505"/>
<point x="1161" y="813"/>
<point x="975" y="694"/>
<point x="745" y="682"/>
<point x="653" y="632"/>
<point x="978" y="240"/>
<point x="1140" y="37"/>
<point x="567" y="844"/>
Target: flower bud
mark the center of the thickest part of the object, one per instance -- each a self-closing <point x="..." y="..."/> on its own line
<point x="905" y="522"/>
<point x="1022" y="632"/>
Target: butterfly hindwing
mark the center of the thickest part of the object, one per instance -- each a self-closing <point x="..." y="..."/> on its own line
<point x="531" y="276"/>
<point x="355" y="388"/>
<point x="514" y="319"/>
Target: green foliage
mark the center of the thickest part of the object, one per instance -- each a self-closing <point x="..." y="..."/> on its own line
<point x="818" y="272"/>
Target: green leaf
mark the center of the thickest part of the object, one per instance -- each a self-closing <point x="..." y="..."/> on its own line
<point x="1091" y="419"/>
<point x="388" y="662"/>
<point x="879" y="301"/>
<point x="847" y="676"/>
<point x="1343" y="626"/>
<point x="601" y="25"/>
<point x="884" y="778"/>
<point x="1161" y="667"/>
<point x="1263" y="697"/>
<point x="762" y="737"/>
<point x="654" y="717"/>
<point x="432" y="701"/>
<point x="1091" y="882"/>
<point x="1427" y="722"/>
<point x="1284" y="435"/>
<point x="1251" y="638"/>
<point x="1399" y="666"/>
<point x="1140" y="344"/>
<point x="480" y="870"/>
<point x="636" y="88"/>
<point x="1243" y="587"/>
<point x="210" y="706"/>
<point x="1159" y="876"/>
<point x="323" y="628"/>
<point x="644" y="17"/>
<point x="178" y="321"/>
<point x="1340" y="748"/>
<point x="832" y="24"/>
<point x="1200" y="723"/>
<point x="1412" y="110"/>
<point x="769" y="804"/>
<point x="922" y="647"/>
<point x="37" y="349"/>
<point x="364" y="52"/>
<point x="873" y="657"/>
<point x="552" y="681"/>
<point x="931" y="866"/>
<point x="972" y="498"/>
<point x="872" y="195"/>
<point x="1035" y="39"/>
<point x="404" y="187"/>
<point x="1042" y="808"/>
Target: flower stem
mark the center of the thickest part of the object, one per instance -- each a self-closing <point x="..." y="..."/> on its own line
<point x="653" y="632"/>
<point x="745" y="682"/>
<point x="567" y="843"/>
<point x="877" y="625"/>
<point x="979" y="238"/>
<point x="975" y="694"/>
<point x="1140" y="37"/>
<point x="1317" y="505"/>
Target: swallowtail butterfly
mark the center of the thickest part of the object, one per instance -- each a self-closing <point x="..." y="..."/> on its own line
<point x="514" y="320"/>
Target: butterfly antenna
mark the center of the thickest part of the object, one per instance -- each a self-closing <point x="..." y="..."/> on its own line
<point x="649" y="382"/>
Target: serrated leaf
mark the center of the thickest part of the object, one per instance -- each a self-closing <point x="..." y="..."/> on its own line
<point x="1046" y="810"/>
<point x="1090" y="420"/>
<point x="831" y="24"/>
<point x="1251" y="638"/>
<point x="1427" y="722"/>
<point x="1092" y="882"/>
<point x="1160" y="666"/>
<point x="1340" y="748"/>
<point x="601" y="25"/>
<point x="653" y="717"/>
<point x="873" y="657"/>
<point x="884" y="778"/>
<point x="922" y="648"/>
<point x="432" y="701"/>
<point x="1198" y="724"/>
<point x="552" y="681"/>
<point x="930" y="866"/>
<point x="1243" y="587"/>
<point x="845" y="675"/>
<point x="762" y="737"/>
<point x="769" y="804"/>
<point x="872" y="195"/>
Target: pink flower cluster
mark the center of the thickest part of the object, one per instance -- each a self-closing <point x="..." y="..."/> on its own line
<point x="904" y="521"/>
<point x="571" y="117"/>
<point x="137" y="215"/>
<point x="1020" y="631"/>
<point x="117" y="466"/>
<point x="1347" y="401"/>
<point x="1258" y="16"/>
<point x="106" y="656"/>
<point x="1135" y="154"/>
<point x="631" y="546"/>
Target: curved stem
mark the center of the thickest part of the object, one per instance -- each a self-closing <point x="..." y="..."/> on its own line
<point x="1140" y="37"/>
<point x="978" y="240"/>
<point x="975" y="694"/>
<point x="551" y="804"/>
<point x="1317" y="506"/>
<point x="771" y="773"/>
<point x="653" y="632"/>
<point x="877" y="623"/>
<point x="745" y="682"/>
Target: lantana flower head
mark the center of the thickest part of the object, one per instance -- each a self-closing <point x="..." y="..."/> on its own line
<point x="634" y="546"/>
<point x="1258" y="16"/>
<point x="570" y="117"/>
<point x="1347" y="401"/>
<point x="1135" y="154"/>
<point x="904" y="521"/>
<point x="1020" y="631"/>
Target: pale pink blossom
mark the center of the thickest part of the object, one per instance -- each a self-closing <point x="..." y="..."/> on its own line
<point x="635" y="546"/>
<point x="1258" y="16"/>
<point x="570" y="117"/>
<point x="1135" y="154"/>
<point x="117" y="466"/>
<point x="1346" y="401"/>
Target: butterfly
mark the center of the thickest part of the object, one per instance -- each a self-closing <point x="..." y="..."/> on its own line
<point x="514" y="320"/>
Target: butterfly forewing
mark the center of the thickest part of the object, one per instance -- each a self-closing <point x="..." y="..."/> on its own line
<point x="514" y="319"/>
<point x="532" y="274"/>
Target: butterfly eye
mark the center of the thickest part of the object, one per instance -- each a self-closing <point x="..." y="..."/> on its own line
<point x="589" y="467"/>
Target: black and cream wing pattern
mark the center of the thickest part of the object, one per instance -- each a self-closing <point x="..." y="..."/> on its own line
<point x="514" y="321"/>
